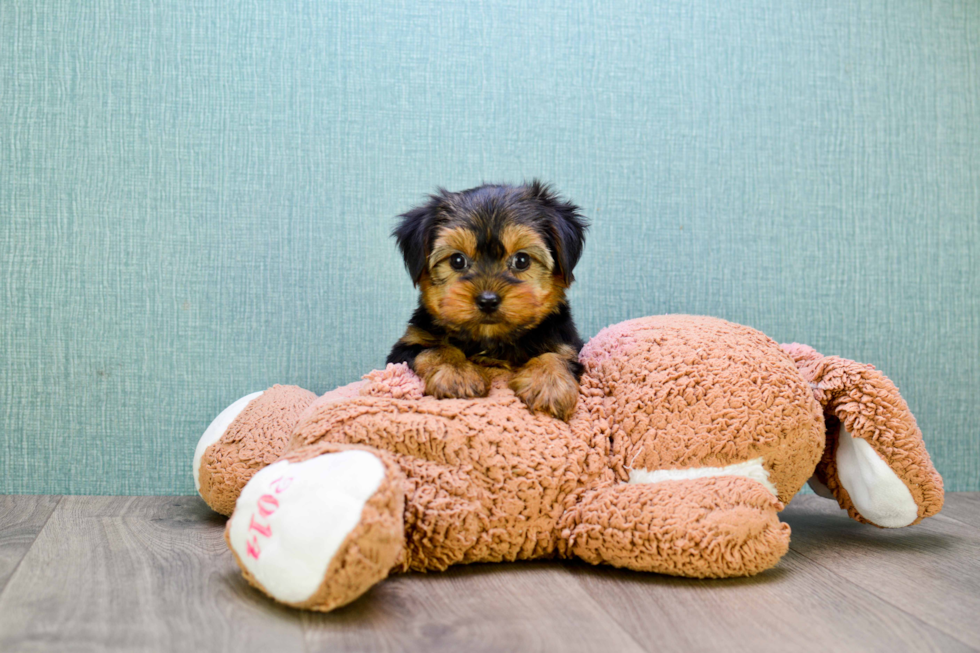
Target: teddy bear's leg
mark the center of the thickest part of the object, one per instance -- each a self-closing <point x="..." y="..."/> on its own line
<point x="875" y="463"/>
<point x="449" y="518"/>
<point x="317" y="532"/>
<point x="712" y="527"/>
<point x="248" y="435"/>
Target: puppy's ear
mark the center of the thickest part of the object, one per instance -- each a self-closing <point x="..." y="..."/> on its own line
<point x="414" y="234"/>
<point x="566" y="229"/>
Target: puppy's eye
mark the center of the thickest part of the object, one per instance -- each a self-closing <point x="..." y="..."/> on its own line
<point x="520" y="261"/>
<point x="458" y="262"/>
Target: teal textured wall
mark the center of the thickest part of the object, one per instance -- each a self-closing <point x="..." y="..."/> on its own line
<point x="195" y="196"/>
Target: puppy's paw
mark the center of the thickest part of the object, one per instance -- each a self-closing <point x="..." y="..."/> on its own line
<point x="455" y="381"/>
<point x="546" y="384"/>
<point x="448" y="374"/>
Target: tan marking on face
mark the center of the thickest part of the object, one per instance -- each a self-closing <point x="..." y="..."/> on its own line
<point x="522" y="306"/>
<point x="432" y="296"/>
<point x="519" y="237"/>
<point x="527" y="304"/>
<point x="449" y="240"/>
<point x="452" y="300"/>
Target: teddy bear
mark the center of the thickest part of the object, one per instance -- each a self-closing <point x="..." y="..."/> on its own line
<point x="690" y="434"/>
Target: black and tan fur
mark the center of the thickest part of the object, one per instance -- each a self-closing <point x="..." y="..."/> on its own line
<point x="511" y="250"/>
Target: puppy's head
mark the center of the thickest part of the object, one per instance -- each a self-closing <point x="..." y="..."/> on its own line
<point x="492" y="261"/>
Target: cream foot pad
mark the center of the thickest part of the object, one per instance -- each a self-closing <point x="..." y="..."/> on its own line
<point x="292" y="518"/>
<point x="216" y="429"/>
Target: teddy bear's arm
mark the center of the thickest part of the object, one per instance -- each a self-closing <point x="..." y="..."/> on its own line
<point x="711" y="527"/>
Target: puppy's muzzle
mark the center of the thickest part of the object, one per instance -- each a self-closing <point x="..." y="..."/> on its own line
<point x="488" y="301"/>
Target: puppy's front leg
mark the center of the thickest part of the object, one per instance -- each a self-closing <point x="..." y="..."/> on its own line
<point x="547" y="383"/>
<point x="447" y="373"/>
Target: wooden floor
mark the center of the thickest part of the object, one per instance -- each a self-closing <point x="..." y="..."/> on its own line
<point x="153" y="573"/>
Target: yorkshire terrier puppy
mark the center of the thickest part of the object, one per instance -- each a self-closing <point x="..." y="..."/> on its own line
<point x="492" y="264"/>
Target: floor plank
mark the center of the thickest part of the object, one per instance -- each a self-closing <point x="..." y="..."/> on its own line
<point x="153" y="573"/>
<point x="137" y="574"/>
<point x="964" y="507"/>
<point x="797" y="606"/>
<point x="493" y="607"/>
<point x="931" y="570"/>
<point x="21" y="518"/>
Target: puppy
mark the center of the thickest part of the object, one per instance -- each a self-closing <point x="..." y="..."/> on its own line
<point x="492" y="264"/>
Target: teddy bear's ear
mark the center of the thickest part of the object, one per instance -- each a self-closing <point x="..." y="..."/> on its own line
<point x="875" y="463"/>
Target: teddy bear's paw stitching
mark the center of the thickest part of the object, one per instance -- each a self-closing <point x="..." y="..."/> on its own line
<point x="297" y="527"/>
<point x="216" y="429"/>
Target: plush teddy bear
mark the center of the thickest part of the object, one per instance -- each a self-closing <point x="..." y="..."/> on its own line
<point x="689" y="435"/>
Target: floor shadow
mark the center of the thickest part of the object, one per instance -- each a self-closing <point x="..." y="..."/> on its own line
<point x="232" y="583"/>
<point x="587" y="571"/>
<point x="839" y="530"/>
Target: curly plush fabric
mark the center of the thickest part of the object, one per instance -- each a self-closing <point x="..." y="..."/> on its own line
<point x="680" y="391"/>
<point x="719" y="527"/>
<point x="485" y="479"/>
<point x="255" y="438"/>
<point x="689" y="436"/>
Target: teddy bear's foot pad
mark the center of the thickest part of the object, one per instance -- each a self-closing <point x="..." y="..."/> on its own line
<point x="217" y="429"/>
<point x="320" y="532"/>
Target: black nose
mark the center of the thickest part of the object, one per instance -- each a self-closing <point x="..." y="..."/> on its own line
<point x="488" y="301"/>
